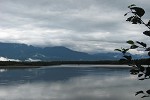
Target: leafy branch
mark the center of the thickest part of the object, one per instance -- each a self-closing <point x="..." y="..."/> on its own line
<point x="137" y="68"/>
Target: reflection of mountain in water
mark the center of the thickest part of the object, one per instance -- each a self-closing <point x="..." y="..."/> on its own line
<point x="52" y="74"/>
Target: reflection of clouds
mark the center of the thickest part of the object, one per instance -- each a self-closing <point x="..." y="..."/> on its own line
<point x="92" y="87"/>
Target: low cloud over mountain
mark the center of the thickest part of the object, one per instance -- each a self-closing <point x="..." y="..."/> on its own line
<point x="31" y="53"/>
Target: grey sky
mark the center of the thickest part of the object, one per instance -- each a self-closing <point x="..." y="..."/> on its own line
<point x="82" y="25"/>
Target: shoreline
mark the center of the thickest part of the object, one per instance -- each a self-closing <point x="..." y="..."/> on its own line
<point x="39" y="64"/>
<point x="67" y="66"/>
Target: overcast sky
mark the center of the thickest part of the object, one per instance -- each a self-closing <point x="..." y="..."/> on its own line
<point x="82" y="25"/>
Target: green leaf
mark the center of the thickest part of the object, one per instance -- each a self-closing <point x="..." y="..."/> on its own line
<point x="140" y="67"/>
<point x="125" y="14"/>
<point x="136" y="20"/>
<point x="138" y="11"/>
<point x="142" y="79"/>
<point x="139" y="92"/>
<point x="140" y="75"/>
<point x="148" y="91"/>
<point x="130" y="42"/>
<point x="144" y="96"/>
<point x="134" y="71"/>
<point x="118" y="50"/>
<point x="147" y="49"/>
<point x="130" y="18"/>
<point x="148" y="24"/>
<point x="134" y="47"/>
<point x="147" y="72"/>
<point x="124" y="50"/>
<point x="149" y="53"/>
<point x="131" y="5"/>
<point x="142" y="44"/>
<point x="146" y="33"/>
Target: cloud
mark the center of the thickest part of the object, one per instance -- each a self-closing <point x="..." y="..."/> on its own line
<point x="6" y="59"/>
<point x="70" y="23"/>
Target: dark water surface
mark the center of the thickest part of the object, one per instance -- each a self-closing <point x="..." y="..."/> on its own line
<point x="70" y="82"/>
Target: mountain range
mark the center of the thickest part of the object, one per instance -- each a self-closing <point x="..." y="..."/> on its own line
<point x="25" y="52"/>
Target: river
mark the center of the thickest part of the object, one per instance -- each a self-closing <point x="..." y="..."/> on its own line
<point x="71" y="82"/>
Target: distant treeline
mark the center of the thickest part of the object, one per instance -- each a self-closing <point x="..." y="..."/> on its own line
<point x="48" y="63"/>
<point x="145" y="61"/>
<point x="23" y="64"/>
<point x="13" y="64"/>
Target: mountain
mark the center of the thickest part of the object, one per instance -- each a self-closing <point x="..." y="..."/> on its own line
<point x="15" y="51"/>
<point x="108" y="56"/>
<point x="29" y="52"/>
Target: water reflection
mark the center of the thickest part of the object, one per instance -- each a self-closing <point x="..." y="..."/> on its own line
<point x="69" y="84"/>
<point x="3" y="70"/>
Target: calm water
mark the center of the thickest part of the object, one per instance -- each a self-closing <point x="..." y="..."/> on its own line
<point x="70" y="83"/>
